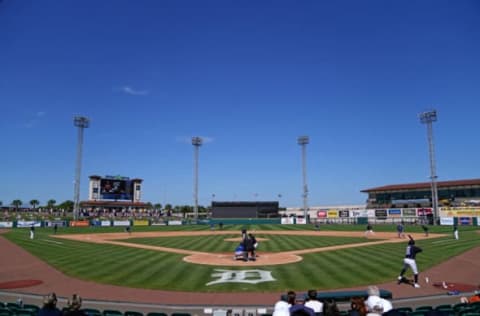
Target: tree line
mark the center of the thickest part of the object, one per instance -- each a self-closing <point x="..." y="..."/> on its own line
<point x="68" y="206"/>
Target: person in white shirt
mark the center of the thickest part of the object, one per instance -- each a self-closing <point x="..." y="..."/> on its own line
<point x="313" y="302"/>
<point x="374" y="299"/>
<point x="281" y="309"/>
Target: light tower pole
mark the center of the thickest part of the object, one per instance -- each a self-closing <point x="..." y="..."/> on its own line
<point x="303" y="141"/>
<point x="81" y="122"/>
<point x="196" y="142"/>
<point x="428" y="118"/>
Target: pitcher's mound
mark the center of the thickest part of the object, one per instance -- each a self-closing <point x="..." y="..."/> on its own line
<point x="223" y="259"/>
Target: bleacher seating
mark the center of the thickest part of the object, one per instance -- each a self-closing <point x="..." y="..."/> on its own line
<point x="343" y="296"/>
<point x="111" y="312"/>
<point x="425" y="308"/>
<point x="459" y="309"/>
<point x="92" y="311"/>
<point x="156" y="314"/>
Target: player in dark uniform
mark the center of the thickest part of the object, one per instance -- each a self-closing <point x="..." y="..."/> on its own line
<point x="425" y="229"/>
<point x="409" y="261"/>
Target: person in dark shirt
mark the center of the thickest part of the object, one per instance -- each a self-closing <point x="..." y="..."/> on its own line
<point x="49" y="306"/>
<point x="409" y="261"/>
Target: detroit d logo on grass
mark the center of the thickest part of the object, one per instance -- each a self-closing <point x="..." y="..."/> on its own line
<point x="241" y="276"/>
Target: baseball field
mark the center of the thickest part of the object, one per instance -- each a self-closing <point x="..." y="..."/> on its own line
<point x="196" y="259"/>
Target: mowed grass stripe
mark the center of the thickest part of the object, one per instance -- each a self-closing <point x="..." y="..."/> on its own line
<point x="159" y="270"/>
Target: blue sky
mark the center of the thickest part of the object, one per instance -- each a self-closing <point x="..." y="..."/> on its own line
<point x="249" y="77"/>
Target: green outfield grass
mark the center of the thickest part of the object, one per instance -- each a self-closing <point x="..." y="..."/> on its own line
<point x="140" y="268"/>
<point x="217" y="243"/>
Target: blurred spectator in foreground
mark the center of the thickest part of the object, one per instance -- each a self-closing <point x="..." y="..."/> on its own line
<point x="375" y="299"/>
<point x="357" y="307"/>
<point x="74" y="305"/>
<point x="313" y="302"/>
<point x="50" y="306"/>
<point x="330" y="308"/>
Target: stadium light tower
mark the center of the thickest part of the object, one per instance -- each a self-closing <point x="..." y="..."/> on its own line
<point x="196" y="142"/>
<point x="81" y="122"/>
<point x="428" y="118"/>
<point x="303" y="141"/>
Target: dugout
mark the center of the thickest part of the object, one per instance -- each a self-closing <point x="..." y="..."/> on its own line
<point x="245" y="209"/>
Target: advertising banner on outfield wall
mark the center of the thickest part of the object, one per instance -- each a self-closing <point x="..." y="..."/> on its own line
<point x="457" y="212"/>
<point x="174" y="223"/>
<point x="287" y="220"/>
<point x="446" y="220"/>
<point x="59" y="223"/>
<point x="332" y="214"/>
<point x="6" y="224"/>
<point x="301" y="220"/>
<point x="465" y="221"/>
<point x="381" y="214"/>
<point x="409" y="212"/>
<point x="24" y="224"/>
<point x="121" y="223"/>
<point x="360" y="213"/>
<point x="322" y="214"/>
<point x="140" y="223"/>
<point x="424" y="211"/>
<point x="344" y="213"/>
<point x="394" y="212"/>
<point x="79" y="223"/>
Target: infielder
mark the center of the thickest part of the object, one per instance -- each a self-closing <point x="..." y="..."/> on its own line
<point x="409" y="261"/>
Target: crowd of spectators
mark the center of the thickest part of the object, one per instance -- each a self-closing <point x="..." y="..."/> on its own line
<point x="311" y="306"/>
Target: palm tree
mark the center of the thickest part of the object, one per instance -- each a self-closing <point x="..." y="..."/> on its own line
<point x="51" y="203"/>
<point x="17" y="204"/>
<point x="34" y="203"/>
<point x="66" y="205"/>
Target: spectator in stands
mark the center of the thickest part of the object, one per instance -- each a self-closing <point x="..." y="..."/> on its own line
<point x="73" y="305"/>
<point x="313" y="302"/>
<point x="471" y="299"/>
<point x="281" y="309"/>
<point x="50" y="306"/>
<point x="291" y="297"/>
<point x="375" y="299"/>
<point x="330" y="308"/>
<point x="377" y="310"/>
<point x="297" y="308"/>
<point x="357" y="307"/>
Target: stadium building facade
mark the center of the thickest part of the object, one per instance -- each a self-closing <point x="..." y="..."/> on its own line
<point x="450" y="193"/>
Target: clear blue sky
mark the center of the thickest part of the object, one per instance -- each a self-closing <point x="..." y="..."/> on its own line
<point x="249" y="77"/>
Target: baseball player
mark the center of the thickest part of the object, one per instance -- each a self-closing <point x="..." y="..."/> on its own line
<point x="369" y="230"/>
<point x="455" y="231"/>
<point x="400" y="230"/>
<point x="409" y="261"/>
<point x="32" y="231"/>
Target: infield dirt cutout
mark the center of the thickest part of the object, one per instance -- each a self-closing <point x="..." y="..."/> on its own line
<point x="226" y="259"/>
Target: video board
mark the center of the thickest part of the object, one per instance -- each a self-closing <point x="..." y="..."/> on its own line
<point x="116" y="188"/>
